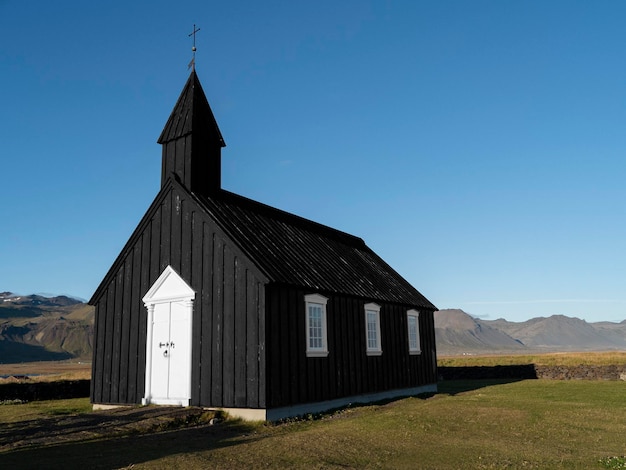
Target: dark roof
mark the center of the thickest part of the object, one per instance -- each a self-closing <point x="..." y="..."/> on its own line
<point x="191" y="113"/>
<point x="296" y="251"/>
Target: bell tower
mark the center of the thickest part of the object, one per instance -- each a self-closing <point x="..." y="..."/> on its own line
<point x="192" y="142"/>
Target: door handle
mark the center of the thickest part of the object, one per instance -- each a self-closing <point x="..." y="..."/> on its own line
<point x="164" y="344"/>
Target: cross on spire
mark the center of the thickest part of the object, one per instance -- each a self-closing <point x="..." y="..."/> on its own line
<point x="193" y="59"/>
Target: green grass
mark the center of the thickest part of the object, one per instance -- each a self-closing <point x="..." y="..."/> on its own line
<point x="14" y="413"/>
<point x="469" y="424"/>
<point x="614" y="462"/>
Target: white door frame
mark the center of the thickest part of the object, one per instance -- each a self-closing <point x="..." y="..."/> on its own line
<point x="168" y="288"/>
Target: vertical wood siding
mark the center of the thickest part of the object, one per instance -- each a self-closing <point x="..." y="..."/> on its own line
<point x="295" y="378"/>
<point x="245" y="353"/>
<point x="201" y="175"/>
<point x="229" y="310"/>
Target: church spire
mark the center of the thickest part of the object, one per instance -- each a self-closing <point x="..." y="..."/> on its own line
<point x="192" y="141"/>
<point x="193" y="48"/>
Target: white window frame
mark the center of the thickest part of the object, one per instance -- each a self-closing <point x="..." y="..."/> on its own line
<point x="311" y="301"/>
<point x="375" y="350"/>
<point x="413" y="348"/>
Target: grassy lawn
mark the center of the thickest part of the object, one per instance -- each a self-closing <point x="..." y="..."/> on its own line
<point x="18" y="413"/>
<point x="472" y="424"/>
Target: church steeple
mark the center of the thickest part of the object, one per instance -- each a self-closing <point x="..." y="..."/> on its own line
<point x="192" y="142"/>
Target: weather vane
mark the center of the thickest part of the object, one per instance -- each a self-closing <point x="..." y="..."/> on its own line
<point x="193" y="49"/>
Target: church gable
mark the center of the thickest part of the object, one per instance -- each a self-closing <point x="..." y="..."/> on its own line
<point x="171" y="231"/>
<point x="177" y="232"/>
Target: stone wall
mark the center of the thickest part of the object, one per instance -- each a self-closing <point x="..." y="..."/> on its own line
<point x="531" y="371"/>
<point x="581" y="372"/>
<point x="33" y="391"/>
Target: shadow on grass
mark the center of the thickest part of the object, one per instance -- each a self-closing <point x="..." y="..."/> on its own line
<point x="454" y="387"/>
<point x="121" y="452"/>
<point x="518" y="372"/>
<point x="453" y="380"/>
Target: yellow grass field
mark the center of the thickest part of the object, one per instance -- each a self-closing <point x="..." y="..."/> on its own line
<point x="48" y="371"/>
<point x="540" y="359"/>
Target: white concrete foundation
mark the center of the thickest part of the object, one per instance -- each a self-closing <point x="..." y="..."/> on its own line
<point x="102" y="406"/>
<point x="253" y="414"/>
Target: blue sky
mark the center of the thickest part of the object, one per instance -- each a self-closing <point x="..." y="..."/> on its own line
<point x="477" y="146"/>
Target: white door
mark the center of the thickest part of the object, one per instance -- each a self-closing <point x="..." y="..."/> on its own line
<point x="160" y="361"/>
<point x="171" y="354"/>
<point x="168" y="343"/>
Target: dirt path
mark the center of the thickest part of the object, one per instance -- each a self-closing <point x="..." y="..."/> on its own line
<point x="99" y="425"/>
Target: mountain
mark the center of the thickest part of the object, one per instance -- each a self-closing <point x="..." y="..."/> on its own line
<point x="41" y="328"/>
<point x="564" y="333"/>
<point x="38" y="328"/>
<point x="457" y="332"/>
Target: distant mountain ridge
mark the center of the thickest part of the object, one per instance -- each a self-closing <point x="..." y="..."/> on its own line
<point x="458" y="333"/>
<point x="39" y="328"/>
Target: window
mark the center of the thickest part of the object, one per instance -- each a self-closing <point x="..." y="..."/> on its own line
<point x="412" y="317"/>
<point x="316" y="342"/>
<point x="372" y="330"/>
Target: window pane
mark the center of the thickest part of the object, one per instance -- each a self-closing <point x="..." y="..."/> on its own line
<point x="315" y="326"/>
<point x="372" y="338"/>
<point x="413" y="343"/>
<point x="315" y="323"/>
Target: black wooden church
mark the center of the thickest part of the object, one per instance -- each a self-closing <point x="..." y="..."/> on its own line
<point x="220" y="301"/>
